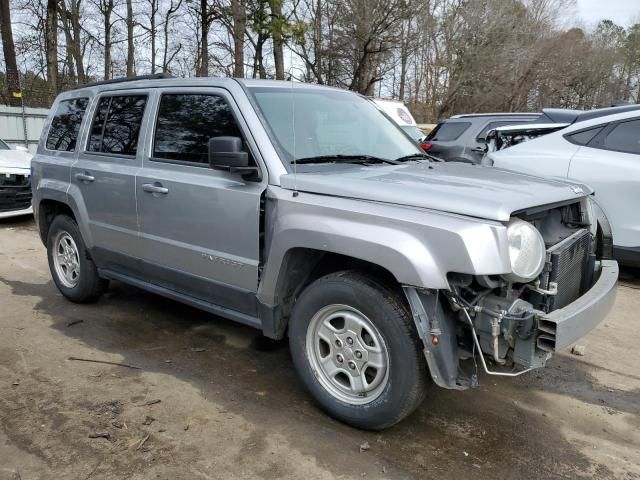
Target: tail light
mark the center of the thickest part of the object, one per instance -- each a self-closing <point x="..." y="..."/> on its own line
<point x="426" y="146"/>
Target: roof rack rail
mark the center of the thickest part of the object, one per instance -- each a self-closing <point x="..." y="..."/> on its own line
<point x="155" y="76"/>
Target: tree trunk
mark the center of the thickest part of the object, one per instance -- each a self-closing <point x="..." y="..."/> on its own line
<point x="239" y="12"/>
<point x="276" y="33"/>
<point x="165" y="57"/>
<point x="76" y="40"/>
<point x="203" y="67"/>
<point x="71" y="74"/>
<point x="8" y="48"/>
<point x="130" y="52"/>
<point x="108" y="9"/>
<point x="404" y="57"/>
<point x="152" y="21"/>
<point x="51" y="46"/>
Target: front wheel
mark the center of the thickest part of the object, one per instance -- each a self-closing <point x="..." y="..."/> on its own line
<point x="354" y="345"/>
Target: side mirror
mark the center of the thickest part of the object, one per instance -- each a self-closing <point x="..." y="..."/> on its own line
<point x="225" y="153"/>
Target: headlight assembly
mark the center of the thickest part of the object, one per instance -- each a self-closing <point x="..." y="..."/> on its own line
<point x="527" y="251"/>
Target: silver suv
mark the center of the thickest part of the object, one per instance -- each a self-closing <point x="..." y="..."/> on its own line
<point x="305" y="212"/>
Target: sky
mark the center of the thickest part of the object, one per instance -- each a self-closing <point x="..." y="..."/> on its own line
<point x="622" y="12"/>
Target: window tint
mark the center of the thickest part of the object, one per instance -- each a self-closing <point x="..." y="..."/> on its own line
<point x="186" y="123"/>
<point x="491" y="125"/>
<point x="116" y="124"/>
<point x="63" y="133"/>
<point x="447" y="131"/>
<point x="625" y="137"/>
<point x="585" y="136"/>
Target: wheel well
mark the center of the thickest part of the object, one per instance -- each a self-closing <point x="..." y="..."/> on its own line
<point x="302" y="266"/>
<point x="47" y="211"/>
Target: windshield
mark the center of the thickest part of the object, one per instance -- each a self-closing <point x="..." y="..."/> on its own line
<point x="4" y="146"/>
<point x="326" y="123"/>
<point x="413" y="131"/>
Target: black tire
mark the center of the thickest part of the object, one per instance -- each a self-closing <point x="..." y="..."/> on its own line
<point x="407" y="370"/>
<point x="89" y="285"/>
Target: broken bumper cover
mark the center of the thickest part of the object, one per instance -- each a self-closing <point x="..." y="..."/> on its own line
<point x="564" y="326"/>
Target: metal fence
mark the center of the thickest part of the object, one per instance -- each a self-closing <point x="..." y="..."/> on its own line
<point x="22" y="126"/>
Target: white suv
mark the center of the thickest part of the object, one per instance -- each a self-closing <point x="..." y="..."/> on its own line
<point x="602" y="152"/>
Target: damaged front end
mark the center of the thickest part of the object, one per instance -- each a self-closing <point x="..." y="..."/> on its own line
<point x="513" y="322"/>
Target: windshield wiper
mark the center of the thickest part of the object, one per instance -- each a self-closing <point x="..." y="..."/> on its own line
<point x="346" y="158"/>
<point x="417" y="156"/>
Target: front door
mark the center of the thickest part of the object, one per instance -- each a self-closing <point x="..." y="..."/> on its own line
<point x="105" y="175"/>
<point x="199" y="226"/>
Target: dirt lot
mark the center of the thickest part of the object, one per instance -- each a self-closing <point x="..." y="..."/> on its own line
<point x="231" y="405"/>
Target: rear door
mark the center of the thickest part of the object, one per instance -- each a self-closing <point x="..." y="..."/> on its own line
<point x="200" y="227"/>
<point x="610" y="163"/>
<point x="105" y="176"/>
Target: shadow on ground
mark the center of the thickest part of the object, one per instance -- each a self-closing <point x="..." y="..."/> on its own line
<point x="484" y="433"/>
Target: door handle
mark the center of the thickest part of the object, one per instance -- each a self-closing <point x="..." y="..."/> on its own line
<point x="84" y="177"/>
<point x="154" y="188"/>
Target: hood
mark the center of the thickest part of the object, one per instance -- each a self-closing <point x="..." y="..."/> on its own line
<point x="14" y="159"/>
<point x="474" y="190"/>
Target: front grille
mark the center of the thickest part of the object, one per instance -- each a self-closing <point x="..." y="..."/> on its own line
<point x="568" y="266"/>
<point x="15" y="192"/>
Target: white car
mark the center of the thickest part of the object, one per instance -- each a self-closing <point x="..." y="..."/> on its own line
<point x="602" y="152"/>
<point x="15" y="181"/>
<point x="400" y="114"/>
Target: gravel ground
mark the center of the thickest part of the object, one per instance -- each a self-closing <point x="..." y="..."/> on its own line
<point x="213" y="399"/>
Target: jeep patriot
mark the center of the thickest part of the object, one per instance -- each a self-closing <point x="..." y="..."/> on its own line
<point x="305" y="212"/>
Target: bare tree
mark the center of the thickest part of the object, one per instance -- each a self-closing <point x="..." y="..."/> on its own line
<point x="167" y="57"/>
<point x="130" y="45"/>
<point x="239" y="13"/>
<point x="8" y="48"/>
<point x="277" y="23"/>
<point x="51" y="45"/>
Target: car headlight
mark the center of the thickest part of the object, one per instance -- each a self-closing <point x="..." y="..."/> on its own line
<point x="527" y="251"/>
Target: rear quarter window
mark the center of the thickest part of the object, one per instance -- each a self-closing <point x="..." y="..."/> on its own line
<point x="448" y="131"/>
<point x="584" y="136"/>
<point x="625" y="137"/>
<point x="65" y="125"/>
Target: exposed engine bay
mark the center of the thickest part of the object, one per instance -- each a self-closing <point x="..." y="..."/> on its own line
<point x="500" y="319"/>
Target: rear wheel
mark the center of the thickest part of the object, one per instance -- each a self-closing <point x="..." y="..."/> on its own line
<point x="73" y="272"/>
<point x="354" y="345"/>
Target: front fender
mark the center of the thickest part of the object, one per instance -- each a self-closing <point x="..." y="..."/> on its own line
<point x="419" y="247"/>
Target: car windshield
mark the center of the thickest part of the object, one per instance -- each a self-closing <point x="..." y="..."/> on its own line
<point x="4" y="146"/>
<point x="312" y="122"/>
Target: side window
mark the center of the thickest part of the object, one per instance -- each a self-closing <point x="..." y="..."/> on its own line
<point x="63" y="133"/>
<point x="625" y="137"/>
<point x="585" y="136"/>
<point x="116" y="124"/>
<point x="185" y="124"/>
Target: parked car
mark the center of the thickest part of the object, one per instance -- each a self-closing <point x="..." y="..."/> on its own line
<point x="401" y="115"/>
<point x="15" y="186"/>
<point x="602" y="151"/>
<point x="551" y="120"/>
<point x="461" y="138"/>
<point x="303" y="211"/>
